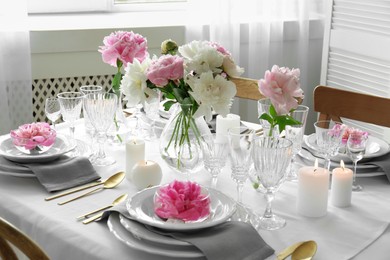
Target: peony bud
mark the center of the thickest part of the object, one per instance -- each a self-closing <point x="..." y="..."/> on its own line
<point x="169" y="47"/>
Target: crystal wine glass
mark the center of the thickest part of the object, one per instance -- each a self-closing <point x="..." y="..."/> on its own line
<point x="215" y="151"/>
<point x="71" y="103"/>
<point x="240" y="146"/>
<point x="295" y="134"/>
<point x="101" y="108"/>
<point x="356" y="148"/>
<point x="52" y="110"/>
<point x="271" y="157"/>
<point x="328" y="138"/>
<point x="88" y="89"/>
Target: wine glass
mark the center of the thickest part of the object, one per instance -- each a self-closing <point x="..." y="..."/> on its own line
<point x="240" y="146"/>
<point x="70" y="103"/>
<point x="151" y="108"/>
<point x="356" y="148"/>
<point x="328" y="137"/>
<point x="215" y="151"/>
<point x="101" y="108"/>
<point x="295" y="134"/>
<point x="271" y="157"/>
<point x="87" y="90"/>
<point x="52" y="110"/>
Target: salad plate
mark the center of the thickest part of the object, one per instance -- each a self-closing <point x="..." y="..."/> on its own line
<point x="134" y="242"/>
<point x="141" y="208"/>
<point x="10" y="152"/>
<point x="375" y="147"/>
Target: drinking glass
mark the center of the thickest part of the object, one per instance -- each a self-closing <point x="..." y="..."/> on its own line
<point x="52" y="110"/>
<point x="295" y="134"/>
<point x="151" y="108"/>
<point x="356" y="148"/>
<point x="88" y="89"/>
<point x="240" y="146"/>
<point x="263" y="106"/>
<point x="101" y="108"/>
<point x="71" y="103"/>
<point x="271" y="157"/>
<point x="328" y="138"/>
<point x="215" y="152"/>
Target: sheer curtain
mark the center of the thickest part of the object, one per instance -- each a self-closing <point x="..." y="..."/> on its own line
<point x="15" y="67"/>
<point x="261" y="33"/>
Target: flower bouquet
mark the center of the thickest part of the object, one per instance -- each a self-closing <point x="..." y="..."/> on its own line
<point x="34" y="138"/>
<point x="282" y="87"/>
<point x="194" y="77"/>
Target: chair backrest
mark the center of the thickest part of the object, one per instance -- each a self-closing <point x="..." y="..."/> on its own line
<point x="332" y="104"/>
<point x="11" y="234"/>
<point x="247" y="88"/>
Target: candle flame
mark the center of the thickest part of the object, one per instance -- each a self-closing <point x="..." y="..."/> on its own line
<point x="342" y="165"/>
<point x="315" y="165"/>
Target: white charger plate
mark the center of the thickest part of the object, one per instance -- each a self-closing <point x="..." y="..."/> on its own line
<point x="141" y="208"/>
<point x="375" y="147"/>
<point x="60" y="147"/>
<point x="134" y="242"/>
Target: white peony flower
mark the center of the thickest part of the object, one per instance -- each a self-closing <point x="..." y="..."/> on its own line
<point x="212" y="94"/>
<point x="133" y="84"/>
<point x="231" y="68"/>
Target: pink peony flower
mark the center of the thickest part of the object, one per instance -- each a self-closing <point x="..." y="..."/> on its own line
<point x="337" y="130"/>
<point x="31" y="135"/>
<point x="123" y="46"/>
<point x="182" y="200"/>
<point x="165" y="68"/>
<point x="282" y="87"/>
<point x="220" y="48"/>
<point x="357" y="135"/>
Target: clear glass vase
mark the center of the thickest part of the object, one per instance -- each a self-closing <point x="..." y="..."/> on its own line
<point x="119" y="130"/>
<point x="180" y="140"/>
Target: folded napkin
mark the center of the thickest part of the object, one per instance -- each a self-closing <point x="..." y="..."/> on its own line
<point x="382" y="162"/>
<point x="230" y="240"/>
<point x="62" y="173"/>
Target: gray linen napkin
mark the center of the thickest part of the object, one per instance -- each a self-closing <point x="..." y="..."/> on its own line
<point x="231" y="240"/>
<point x="382" y="162"/>
<point x="62" y="173"/>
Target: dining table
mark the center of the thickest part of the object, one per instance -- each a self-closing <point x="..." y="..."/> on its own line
<point x="360" y="231"/>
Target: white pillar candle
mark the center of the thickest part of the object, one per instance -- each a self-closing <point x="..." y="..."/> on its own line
<point x="146" y="174"/>
<point x="224" y="123"/>
<point x="313" y="185"/>
<point x="341" y="191"/>
<point x="135" y="152"/>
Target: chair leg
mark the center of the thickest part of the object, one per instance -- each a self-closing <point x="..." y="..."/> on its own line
<point x="6" y="252"/>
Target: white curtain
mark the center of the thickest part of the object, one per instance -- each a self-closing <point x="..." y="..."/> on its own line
<point x="15" y="67"/>
<point x="261" y="33"/>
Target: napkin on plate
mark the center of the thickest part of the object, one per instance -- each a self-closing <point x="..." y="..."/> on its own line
<point x="62" y="173"/>
<point x="382" y="162"/>
<point x="230" y="240"/>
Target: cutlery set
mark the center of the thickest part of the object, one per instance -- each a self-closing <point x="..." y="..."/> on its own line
<point x="108" y="183"/>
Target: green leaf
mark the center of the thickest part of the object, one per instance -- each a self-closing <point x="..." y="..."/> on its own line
<point x="272" y="111"/>
<point x="116" y="82"/>
<point x="167" y="105"/>
<point x="267" y="117"/>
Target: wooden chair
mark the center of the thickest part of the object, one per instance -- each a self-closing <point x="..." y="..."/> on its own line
<point x="11" y="234"/>
<point x="332" y="104"/>
<point x="247" y="88"/>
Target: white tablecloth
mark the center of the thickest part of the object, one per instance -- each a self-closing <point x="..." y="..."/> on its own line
<point x="359" y="231"/>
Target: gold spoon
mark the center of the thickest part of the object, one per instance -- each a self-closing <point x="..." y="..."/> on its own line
<point x="110" y="183"/>
<point x="115" y="202"/>
<point x="305" y="251"/>
<point x="288" y="251"/>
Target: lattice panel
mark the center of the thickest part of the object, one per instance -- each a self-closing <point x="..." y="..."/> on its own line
<point x="43" y="88"/>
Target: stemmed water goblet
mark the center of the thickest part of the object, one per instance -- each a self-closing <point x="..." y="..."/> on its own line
<point x="240" y="146"/>
<point x="52" y="110"/>
<point x="356" y="148"/>
<point x="271" y="157"/>
<point x="101" y="108"/>
<point x="295" y="134"/>
<point x="88" y="89"/>
<point x="328" y="139"/>
<point x="71" y="103"/>
<point x="215" y="151"/>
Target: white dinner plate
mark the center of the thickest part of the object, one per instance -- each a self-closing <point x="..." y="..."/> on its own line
<point x="375" y="147"/>
<point x="140" y="206"/>
<point x="133" y="242"/>
<point x="60" y="147"/>
<point x="363" y="170"/>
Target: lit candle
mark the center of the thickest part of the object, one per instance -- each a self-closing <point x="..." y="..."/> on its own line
<point x="223" y="124"/>
<point x="135" y="152"/>
<point x="341" y="192"/>
<point x="313" y="185"/>
<point x="146" y="174"/>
